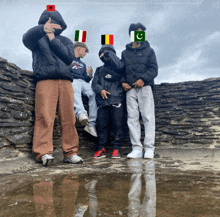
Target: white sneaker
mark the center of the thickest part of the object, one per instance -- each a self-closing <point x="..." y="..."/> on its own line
<point x="75" y="159"/>
<point x="80" y="210"/>
<point x="83" y="119"/>
<point x="149" y="153"/>
<point x="91" y="130"/>
<point x="135" y="154"/>
<point x="47" y="159"/>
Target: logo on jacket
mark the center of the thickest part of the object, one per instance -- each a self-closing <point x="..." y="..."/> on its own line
<point x="76" y="65"/>
<point x="108" y="76"/>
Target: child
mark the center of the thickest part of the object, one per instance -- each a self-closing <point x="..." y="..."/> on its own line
<point x="109" y="98"/>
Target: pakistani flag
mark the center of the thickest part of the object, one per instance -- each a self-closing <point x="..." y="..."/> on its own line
<point x="80" y="36"/>
<point x="137" y="36"/>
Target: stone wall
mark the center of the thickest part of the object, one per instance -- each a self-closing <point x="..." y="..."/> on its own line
<point x="187" y="113"/>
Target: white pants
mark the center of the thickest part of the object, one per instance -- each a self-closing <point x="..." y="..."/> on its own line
<point x="82" y="87"/>
<point x="141" y="99"/>
<point x="148" y="206"/>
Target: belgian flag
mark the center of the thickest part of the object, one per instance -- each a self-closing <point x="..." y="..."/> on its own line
<point x="107" y="39"/>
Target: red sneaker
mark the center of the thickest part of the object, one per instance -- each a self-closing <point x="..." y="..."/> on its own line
<point x="99" y="154"/>
<point x="116" y="154"/>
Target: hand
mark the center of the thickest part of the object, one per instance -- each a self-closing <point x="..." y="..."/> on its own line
<point x="104" y="94"/>
<point x="104" y="57"/>
<point x="50" y="36"/>
<point x="49" y="27"/>
<point x="139" y="83"/>
<point x="126" y="86"/>
<point x="89" y="71"/>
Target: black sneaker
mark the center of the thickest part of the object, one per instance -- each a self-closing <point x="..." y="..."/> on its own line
<point x="116" y="154"/>
<point x="99" y="154"/>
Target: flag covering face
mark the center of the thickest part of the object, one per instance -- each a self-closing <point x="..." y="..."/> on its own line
<point x="50" y="7"/>
<point x="137" y="36"/>
<point x="80" y="36"/>
<point x="107" y="39"/>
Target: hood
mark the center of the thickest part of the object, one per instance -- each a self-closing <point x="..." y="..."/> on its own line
<point x="55" y="18"/>
<point x="107" y="47"/>
<point x="103" y="48"/>
<point x="144" y="44"/>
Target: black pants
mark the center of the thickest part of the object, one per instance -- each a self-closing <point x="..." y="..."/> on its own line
<point x="107" y="114"/>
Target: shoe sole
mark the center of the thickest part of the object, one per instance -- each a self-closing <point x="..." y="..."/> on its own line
<point x="148" y="157"/>
<point x="115" y="157"/>
<point x="73" y="163"/>
<point x="84" y="122"/>
<point x="134" y="157"/>
<point x="99" y="157"/>
<point x="90" y="133"/>
<point x="48" y="162"/>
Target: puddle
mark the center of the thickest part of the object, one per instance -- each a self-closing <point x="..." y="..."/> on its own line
<point x="146" y="190"/>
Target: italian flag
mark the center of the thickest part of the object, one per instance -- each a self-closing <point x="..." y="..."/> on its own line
<point x="80" y="36"/>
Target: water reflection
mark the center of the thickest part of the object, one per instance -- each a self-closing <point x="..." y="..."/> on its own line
<point x="93" y="203"/>
<point x="148" y="206"/>
<point x="61" y="197"/>
<point x="66" y="195"/>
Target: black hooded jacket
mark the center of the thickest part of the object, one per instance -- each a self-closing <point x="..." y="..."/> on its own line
<point x="50" y="58"/>
<point x="139" y="63"/>
<point x="108" y="77"/>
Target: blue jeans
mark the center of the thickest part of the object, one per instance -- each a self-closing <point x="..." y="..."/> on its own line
<point x="82" y="87"/>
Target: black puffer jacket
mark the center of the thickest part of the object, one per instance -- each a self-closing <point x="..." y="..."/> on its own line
<point x="139" y="63"/>
<point x="108" y="77"/>
<point x="50" y="58"/>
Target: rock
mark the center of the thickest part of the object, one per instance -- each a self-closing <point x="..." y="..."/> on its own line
<point x="19" y="138"/>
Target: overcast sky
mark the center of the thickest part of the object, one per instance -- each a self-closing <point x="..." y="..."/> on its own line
<point x="185" y="34"/>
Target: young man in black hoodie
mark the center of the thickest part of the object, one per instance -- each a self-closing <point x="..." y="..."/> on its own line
<point x="140" y="70"/>
<point x="52" y="54"/>
<point x="109" y="98"/>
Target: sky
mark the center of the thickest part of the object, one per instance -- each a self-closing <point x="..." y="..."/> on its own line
<point x="184" y="34"/>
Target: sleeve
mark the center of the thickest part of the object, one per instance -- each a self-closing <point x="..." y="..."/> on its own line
<point x="96" y="86"/>
<point x="115" y="61"/>
<point x="123" y="70"/>
<point x="152" y="69"/>
<point x="64" y="51"/>
<point x="32" y="36"/>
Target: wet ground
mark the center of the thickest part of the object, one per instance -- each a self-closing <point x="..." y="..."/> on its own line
<point x="177" y="182"/>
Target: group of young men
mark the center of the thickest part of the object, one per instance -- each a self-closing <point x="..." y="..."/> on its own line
<point x="61" y="77"/>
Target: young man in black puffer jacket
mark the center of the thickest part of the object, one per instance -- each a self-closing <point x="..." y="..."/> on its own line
<point x="109" y="98"/>
<point x="52" y="54"/>
<point x="140" y="70"/>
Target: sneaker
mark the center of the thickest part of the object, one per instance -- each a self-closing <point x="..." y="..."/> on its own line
<point x="99" y="154"/>
<point x="83" y="119"/>
<point x="75" y="159"/>
<point x="47" y="159"/>
<point x="80" y="210"/>
<point x="149" y="153"/>
<point x="91" y="130"/>
<point x="135" y="154"/>
<point x="116" y="154"/>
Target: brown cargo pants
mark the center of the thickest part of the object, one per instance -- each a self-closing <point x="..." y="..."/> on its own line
<point x="47" y="94"/>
